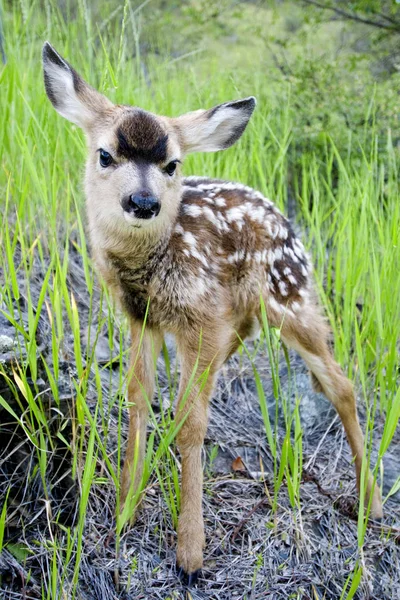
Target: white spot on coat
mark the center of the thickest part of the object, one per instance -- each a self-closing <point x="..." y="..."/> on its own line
<point x="192" y="210"/>
<point x="283" y="288"/>
<point x="275" y="305"/>
<point x="189" y="239"/>
<point x="210" y="215"/>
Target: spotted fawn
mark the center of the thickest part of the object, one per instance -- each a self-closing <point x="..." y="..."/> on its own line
<point x="192" y="257"/>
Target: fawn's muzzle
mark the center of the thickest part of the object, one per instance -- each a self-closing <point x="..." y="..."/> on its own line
<point x="141" y="206"/>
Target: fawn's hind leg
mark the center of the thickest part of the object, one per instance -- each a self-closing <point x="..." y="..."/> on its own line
<point x="307" y="333"/>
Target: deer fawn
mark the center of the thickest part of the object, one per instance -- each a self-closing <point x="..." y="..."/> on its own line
<point x="195" y="254"/>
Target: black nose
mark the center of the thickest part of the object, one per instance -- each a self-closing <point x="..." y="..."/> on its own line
<point x="142" y="205"/>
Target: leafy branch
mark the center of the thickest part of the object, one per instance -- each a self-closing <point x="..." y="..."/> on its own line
<point x="382" y="20"/>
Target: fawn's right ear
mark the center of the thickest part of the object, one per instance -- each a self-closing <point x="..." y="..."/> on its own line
<point x="70" y="95"/>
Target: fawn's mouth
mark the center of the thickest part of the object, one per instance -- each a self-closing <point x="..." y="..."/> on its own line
<point x="136" y="222"/>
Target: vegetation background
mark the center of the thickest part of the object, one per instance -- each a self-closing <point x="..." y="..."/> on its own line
<point x="281" y="514"/>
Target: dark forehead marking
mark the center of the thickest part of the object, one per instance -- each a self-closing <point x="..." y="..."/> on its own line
<point x="140" y="136"/>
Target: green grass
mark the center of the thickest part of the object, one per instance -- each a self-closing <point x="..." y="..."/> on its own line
<point x="347" y="203"/>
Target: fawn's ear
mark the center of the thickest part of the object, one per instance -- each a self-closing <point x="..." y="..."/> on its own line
<point x="70" y="95"/>
<point x="216" y="128"/>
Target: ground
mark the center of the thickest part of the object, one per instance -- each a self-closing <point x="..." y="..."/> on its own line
<point x="252" y="551"/>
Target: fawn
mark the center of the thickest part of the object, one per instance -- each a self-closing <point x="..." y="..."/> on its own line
<point x="194" y="255"/>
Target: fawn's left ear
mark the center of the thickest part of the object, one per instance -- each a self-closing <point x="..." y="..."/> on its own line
<point x="216" y="128"/>
<point x="70" y="95"/>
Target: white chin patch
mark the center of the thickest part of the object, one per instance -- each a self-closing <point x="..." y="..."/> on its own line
<point x="137" y="223"/>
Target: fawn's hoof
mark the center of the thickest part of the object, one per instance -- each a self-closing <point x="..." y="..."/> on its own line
<point x="189" y="551"/>
<point x="188" y="579"/>
<point x="376" y="511"/>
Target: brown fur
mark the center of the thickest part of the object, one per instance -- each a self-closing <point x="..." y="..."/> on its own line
<point x="199" y="268"/>
<point x="140" y="135"/>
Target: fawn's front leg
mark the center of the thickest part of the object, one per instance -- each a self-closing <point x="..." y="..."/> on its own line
<point x="144" y="354"/>
<point x="192" y="415"/>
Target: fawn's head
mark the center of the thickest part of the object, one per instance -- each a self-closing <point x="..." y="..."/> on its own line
<point x="133" y="168"/>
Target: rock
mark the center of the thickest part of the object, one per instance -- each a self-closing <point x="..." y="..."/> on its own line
<point x="12" y="344"/>
<point x="102" y="351"/>
<point x="6" y="343"/>
<point x="315" y="410"/>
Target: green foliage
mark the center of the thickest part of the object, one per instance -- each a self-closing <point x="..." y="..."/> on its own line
<point x="325" y="135"/>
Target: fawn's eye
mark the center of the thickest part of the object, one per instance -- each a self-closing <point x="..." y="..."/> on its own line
<point x="105" y="158"/>
<point x="170" y="168"/>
